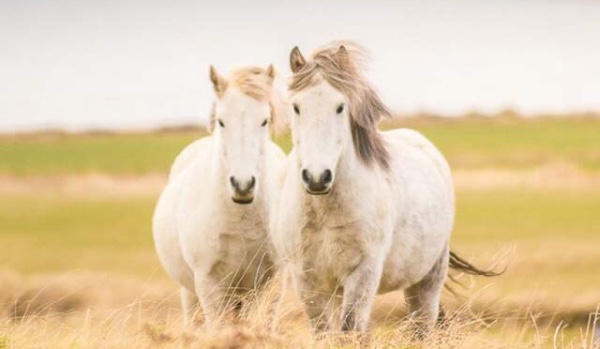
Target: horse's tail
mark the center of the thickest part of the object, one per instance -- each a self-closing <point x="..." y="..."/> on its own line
<point x="457" y="263"/>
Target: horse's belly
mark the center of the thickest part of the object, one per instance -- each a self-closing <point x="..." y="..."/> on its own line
<point x="395" y="277"/>
<point x="411" y="257"/>
<point x="424" y="207"/>
<point x="166" y="239"/>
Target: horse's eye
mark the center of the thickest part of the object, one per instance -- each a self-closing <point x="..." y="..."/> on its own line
<point x="221" y="123"/>
<point x="296" y="109"/>
<point x="340" y="109"/>
<point x="264" y="123"/>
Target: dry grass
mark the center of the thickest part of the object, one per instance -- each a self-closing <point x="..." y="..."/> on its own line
<point x="88" y="185"/>
<point x="64" y="293"/>
<point x="93" y="311"/>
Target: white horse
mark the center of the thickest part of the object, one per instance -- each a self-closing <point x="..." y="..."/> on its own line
<point x="361" y="212"/>
<point x="211" y="221"/>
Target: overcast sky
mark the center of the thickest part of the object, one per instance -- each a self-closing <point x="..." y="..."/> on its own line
<point x="139" y="64"/>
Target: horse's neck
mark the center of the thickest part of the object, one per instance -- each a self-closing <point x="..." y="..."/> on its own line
<point x="349" y="169"/>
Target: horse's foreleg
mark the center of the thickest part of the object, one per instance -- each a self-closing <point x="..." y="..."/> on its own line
<point x="423" y="298"/>
<point x="218" y="302"/>
<point x="287" y="282"/>
<point x="316" y="305"/>
<point x="188" y="306"/>
<point x="360" y="288"/>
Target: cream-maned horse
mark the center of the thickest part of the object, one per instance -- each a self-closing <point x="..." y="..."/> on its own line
<point x="211" y="221"/>
<point x="361" y="212"/>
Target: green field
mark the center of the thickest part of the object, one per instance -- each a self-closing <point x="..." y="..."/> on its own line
<point x="553" y="229"/>
<point x="466" y="143"/>
<point x="556" y="236"/>
<point x="57" y="154"/>
<point x="514" y="143"/>
<point x="73" y="233"/>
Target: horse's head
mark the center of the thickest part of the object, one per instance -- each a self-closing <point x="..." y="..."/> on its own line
<point x="334" y="108"/>
<point x="240" y="123"/>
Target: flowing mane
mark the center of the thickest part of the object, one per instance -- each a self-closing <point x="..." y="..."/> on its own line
<point x="255" y="82"/>
<point x="341" y="64"/>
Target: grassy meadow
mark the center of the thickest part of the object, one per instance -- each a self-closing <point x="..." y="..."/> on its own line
<point x="78" y="268"/>
<point x="512" y="143"/>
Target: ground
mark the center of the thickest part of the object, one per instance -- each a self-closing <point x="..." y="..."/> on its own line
<point x="79" y="268"/>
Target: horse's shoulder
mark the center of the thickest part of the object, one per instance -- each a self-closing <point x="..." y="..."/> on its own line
<point x="187" y="155"/>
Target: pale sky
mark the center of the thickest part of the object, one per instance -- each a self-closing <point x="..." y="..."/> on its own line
<point x="77" y="64"/>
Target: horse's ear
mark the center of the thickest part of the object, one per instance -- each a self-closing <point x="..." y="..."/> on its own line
<point x="270" y="71"/>
<point x="297" y="61"/>
<point x="342" y="55"/>
<point x="219" y="83"/>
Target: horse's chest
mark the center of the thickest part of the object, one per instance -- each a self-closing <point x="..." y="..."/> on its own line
<point x="241" y="247"/>
<point x="240" y="240"/>
<point x="330" y="253"/>
<point x="222" y="244"/>
<point x="241" y="257"/>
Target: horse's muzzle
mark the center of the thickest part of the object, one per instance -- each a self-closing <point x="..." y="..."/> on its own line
<point x="243" y="190"/>
<point x="325" y="192"/>
<point x="317" y="185"/>
<point x="242" y="200"/>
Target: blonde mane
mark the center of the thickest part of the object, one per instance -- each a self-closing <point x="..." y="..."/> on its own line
<point x="252" y="81"/>
<point x="341" y="64"/>
<point x="255" y="82"/>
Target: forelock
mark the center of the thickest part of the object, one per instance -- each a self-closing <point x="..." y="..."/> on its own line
<point x="252" y="81"/>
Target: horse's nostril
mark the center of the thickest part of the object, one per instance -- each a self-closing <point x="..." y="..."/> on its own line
<point x="252" y="183"/>
<point x="326" y="177"/>
<point x="233" y="182"/>
<point x="306" y="176"/>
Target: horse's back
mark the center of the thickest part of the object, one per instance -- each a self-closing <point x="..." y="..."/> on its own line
<point x="425" y="206"/>
<point x="421" y="172"/>
<point x="187" y="155"/>
<point x="405" y="139"/>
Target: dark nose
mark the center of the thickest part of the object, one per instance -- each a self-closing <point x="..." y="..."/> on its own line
<point x="242" y="187"/>
<point x="317" y="185"/>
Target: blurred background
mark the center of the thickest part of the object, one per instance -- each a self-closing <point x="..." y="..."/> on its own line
<point x="129" y="64"/>
<point x="98" y="97"/>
